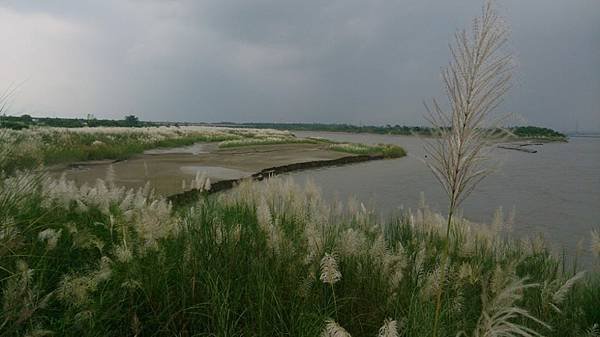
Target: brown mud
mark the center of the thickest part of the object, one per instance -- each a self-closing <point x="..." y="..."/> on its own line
<point x="191" y="196"/>
<point x="171" y="171"/>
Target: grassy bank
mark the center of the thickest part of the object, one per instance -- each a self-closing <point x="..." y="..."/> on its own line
<point x="37" y="146"/>
<point x="386" y="150"/>
<point x="266" y="141"/>
<point x="537" y="133"/>
<point x="266" y="259"/>
<point x="30" y="148"/>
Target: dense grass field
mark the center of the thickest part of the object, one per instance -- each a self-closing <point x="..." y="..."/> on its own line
<point x="30" y="148"/>
<point x="269" y="259"/>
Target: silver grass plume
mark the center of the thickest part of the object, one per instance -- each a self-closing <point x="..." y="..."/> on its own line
<point x="21" y="298"/>
<point x="123" y="253"/>
<point x="330" y="273"/>
<point x="561" y="294"/>
<point x="332" y="329"/>
<point x="593" y="331"/>
<point x="110" y="175"/>
<point x="500" y="315"/>
<point x="595" y="242"/>
<point x="475" y="83"/>
<point x="269" y="226"/>
<point x="389" y="329"/>
<point x="50" y="236"/>
<point x="146" y="172"/>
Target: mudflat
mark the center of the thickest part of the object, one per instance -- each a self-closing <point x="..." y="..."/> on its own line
<point x="170" y="171"/>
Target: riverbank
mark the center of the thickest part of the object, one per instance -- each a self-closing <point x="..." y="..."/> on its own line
<point x="33" y="147"/>
<point x="190" y="196"/>
<point x="178" y="170"/>
<point x="517" y="133"/>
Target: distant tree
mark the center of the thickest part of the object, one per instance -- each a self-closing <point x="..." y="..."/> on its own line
<point x="26" y="119"/>
<point x="132" y="120"/>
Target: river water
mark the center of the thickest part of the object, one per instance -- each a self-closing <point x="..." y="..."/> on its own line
<point x="555" y="192"/>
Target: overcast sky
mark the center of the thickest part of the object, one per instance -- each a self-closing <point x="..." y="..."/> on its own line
<point x="352" y="61"/>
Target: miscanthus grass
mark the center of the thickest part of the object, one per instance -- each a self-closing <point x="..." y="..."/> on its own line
<point x="47" y="145"/>
<point x="267" y="259"/>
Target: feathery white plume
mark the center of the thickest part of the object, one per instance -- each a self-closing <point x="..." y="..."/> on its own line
<point x="389" y="328"/>
<point x="110" y="174"/>
<point x="332" y="329"/>
<point x="595" y="242"/>
<point x="50" y="236"/>
<point x="501" y="316"/>
<point x="560" y="295"/>
<point x="329" y="269"/>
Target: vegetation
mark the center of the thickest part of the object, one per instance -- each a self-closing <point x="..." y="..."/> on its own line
<point x="273" y="258"/>
<point x="386" y="150"/>
<point x="286" y="139"/>
<point x="30" y="148"/>
<point x="520" y="132"/>
<point x="475" y="83"/>
<point x="27" y="121"/>
<point x="532" y="132"/>
<point x="267" y="259"/>
<point x="387" y="130"/>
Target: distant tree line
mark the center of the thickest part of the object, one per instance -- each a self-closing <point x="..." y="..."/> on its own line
<point x="386" y="130"/>
<point x="518" y="131"/>
<point x="536" y="132"/>
<point x="26" y="121"/>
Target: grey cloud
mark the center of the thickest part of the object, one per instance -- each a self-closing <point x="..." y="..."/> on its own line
<point x="302" y="61"/>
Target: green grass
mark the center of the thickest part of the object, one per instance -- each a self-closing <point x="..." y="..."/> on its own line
<point x="46" y="146"/>
<point x="387" y="150"/>
<point x="247" y="263"/>
<point x="533" y="132"/>
<point x="117" y="147"/>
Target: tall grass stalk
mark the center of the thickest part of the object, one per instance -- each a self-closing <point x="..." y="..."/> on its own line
<point x="475" y="82"/>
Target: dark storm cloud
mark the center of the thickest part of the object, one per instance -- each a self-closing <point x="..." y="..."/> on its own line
<point x="272" y="60"/>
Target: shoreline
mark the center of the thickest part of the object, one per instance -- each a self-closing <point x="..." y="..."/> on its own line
<point x="193" y="195"/>
<point x="174" y="173"/>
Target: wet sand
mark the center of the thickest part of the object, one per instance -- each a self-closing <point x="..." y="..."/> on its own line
<point x="166" y="169"/>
